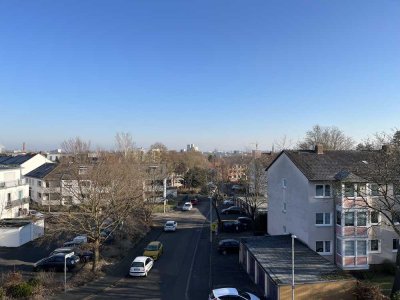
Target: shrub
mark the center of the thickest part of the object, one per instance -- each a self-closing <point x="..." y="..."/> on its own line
<point x="20" y="290"/>
<point x="396" y="296"/>
<point x="34" y="282"/>
<point x="368" y="292"/>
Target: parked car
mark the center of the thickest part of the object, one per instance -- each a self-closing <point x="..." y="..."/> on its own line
<point x="187" y="206"/>
<point x="231" y="226"/>
<point x="194" y="201"/>
<point x="229" y="202"/>
<point x="231" y="293"/>
<point x="84" y="255"/>
<point x="234" y="210"/>
<point x="56" y="263"/>
<point x="153" y="249"/>
<point x="141" y="266"/>
<point x="245" y="222"/>
<point x="170" y="226"/>
<point x="35" y="213"/>
<point x="76" y="241"/>
<point x="228" y="246"/>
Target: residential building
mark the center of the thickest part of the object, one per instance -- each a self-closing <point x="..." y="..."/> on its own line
<point x="27" y="162"/>
<point x="315" y="195"/>
<point x="268" y="262"/>
<point x="14" y="198"/>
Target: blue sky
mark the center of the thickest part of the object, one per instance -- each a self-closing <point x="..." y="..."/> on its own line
<point x="220" y="74"/>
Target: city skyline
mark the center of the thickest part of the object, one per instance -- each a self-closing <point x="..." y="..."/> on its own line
<point x="222" y="75"/>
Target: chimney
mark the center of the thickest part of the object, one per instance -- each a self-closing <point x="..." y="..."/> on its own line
<point x="23" y="147"/>
<point x="319" y="149"/>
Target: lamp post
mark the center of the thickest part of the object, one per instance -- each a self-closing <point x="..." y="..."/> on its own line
<point x="293" y="237"/>
<point x="65" y="269"/>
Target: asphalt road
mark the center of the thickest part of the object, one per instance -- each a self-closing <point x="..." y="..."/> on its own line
<point x="182" y="272"/>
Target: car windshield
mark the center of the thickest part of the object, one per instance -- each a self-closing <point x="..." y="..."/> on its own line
<point x="152" y="247"/>
<point x="169" y="223"/>
<point x="137" y="264"/>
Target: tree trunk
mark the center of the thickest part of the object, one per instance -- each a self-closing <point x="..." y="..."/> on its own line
<point x="396" y="283"/>
<point x="96" y="255"/>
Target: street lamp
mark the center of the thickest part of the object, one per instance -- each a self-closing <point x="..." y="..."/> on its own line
<point x="65" y="269"/>
<point x="293" y="237"/>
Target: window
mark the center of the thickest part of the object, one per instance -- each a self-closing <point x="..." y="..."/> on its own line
<point x="361" y="218"/>
<point x="20" y="194"/>
<point x="39" y="195"/>
<point x="361" y="248"/>
<point x="323" y="247"/>
<point x="374" y="246"/>
<point x="39" y="183"/>
<point x="395" y="244"/>
<point x="322" y="219"/>
<point x="8" y="199"/>
<point x="349" y="190"/>
<point x="374" y="217"/>
<point x="339" y="218"/>
<point x="322" y="190"/>
<point x="284" y="229"/>
<point x="284" y="207"/>
<point x="349" y="219"/>
<point x="374" y="189"/>
<point x="361" y="190"/>
<point x="349" y="248"/>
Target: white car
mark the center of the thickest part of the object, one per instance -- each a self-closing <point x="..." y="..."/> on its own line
<point x="187" y="206"/>
<point x="231" y="293"/>
<point x="170" y="226"/>
<point x="229" y="202"/>
<point x="141" y="265"/>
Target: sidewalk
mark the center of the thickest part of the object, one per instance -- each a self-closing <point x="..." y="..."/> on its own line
<point x="117" y="272"/>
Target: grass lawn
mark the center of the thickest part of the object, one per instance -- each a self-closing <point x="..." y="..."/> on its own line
<point x="159" y="207"/>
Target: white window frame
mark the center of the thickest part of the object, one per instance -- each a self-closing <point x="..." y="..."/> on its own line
<point x="324" y="247"/>
<point x="379" y="246"/>
<point x="324" y="220"/>
<point x="323" y="190"/>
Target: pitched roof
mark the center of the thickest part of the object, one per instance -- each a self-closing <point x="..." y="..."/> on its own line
<point x="274" y="254"/>
<point x="42" y="171"/>
<point x="331" y="165"/>
<point x="15" y="160"/>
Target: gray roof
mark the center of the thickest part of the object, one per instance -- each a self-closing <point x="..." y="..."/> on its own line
<point x="331" y="165"/>
<point x="15" y="160"/>
<point x="274" y="253"/>
<point x="42" y="171"/>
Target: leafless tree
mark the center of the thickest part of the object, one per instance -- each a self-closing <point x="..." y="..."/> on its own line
<point x="282" y="144"/>
<point x="108" y="193"/>
<point x="76" y="146"/>
<point x="124" y="142"/>
<point x="332" y="138"/>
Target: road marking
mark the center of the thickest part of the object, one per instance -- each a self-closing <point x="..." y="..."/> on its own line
<point x="192" y="263"/>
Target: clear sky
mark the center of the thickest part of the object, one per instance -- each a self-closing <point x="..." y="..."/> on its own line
<point x="220" y="73"/>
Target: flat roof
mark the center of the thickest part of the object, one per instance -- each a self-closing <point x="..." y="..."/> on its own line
<point x="274" y="254"/>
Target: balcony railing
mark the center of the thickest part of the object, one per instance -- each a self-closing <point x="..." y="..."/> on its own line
<point x="14" y="183"/>
<point x="15" y="203"/>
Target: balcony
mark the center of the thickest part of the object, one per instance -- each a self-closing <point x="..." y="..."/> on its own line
<point x="16" y="203"/>
<point x="14" y="183"/>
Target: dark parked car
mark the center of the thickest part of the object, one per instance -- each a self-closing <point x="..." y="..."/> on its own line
<point x="194" y="201"/>
<point x="84" y="255"/>
<point x="234" y="210"/>
<point x="231" y="226"/>
<point x="56" y="263"/>
<point x="228" y="246"/>
<point x="245" y="222"/>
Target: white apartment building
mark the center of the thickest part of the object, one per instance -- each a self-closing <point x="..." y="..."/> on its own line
<point x="14" y="198"/>
<point x="313" y="194"/>
<point x="27" y="162"/>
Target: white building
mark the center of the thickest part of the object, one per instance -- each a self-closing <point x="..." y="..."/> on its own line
<point x="14" y="192"/>
<point x="316" y="196"/>
<point x="27" y="162"/>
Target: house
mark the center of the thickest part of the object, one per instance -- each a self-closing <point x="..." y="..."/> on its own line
<point x="268" y="261"/>
<point x="14" y="197"/>
<point x="315" y="194"/>
<point x="27" y="162"/>
<point x="16" y="232"/>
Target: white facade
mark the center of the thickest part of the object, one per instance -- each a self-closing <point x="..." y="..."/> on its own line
<point x="33" y="163"/>
<point x="14" y="193"/>
<point x="317" y="218"/>
<point x="20" y="233"/>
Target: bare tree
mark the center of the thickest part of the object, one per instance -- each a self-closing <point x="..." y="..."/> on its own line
<point x="381" y="190"/>
<point x="75" y="146"/>
<point x="124" y="142"/>
<point x="108" y="193"/>
<point x="282" y="144"/>
<point x="332" y="138"/>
